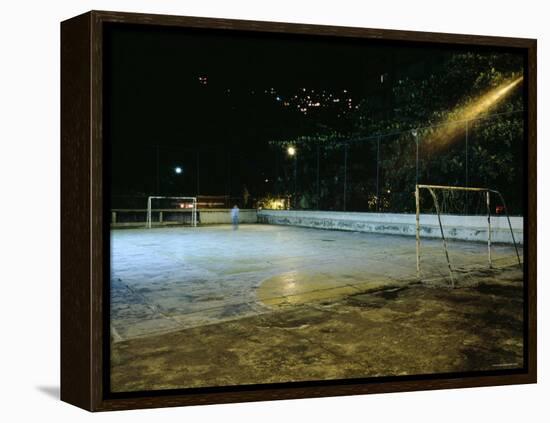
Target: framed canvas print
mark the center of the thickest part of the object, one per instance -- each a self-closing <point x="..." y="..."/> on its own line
<point x="257" y="210"/>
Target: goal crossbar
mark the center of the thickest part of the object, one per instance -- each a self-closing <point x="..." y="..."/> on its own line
<point x="431" y="189"/>
<point x="157" y="197"/>
<point x="453" y="188"/>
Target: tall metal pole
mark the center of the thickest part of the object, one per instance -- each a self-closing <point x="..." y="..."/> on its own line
<point x="226" y="178"/>
<point x="417" y="198"/>
<point x="295" y="179"/>
<point x="416" y="139"/>
<point x="158" y="171"/>
<point x="378" y="174"/>
<point x="345" y="174"/>
<point x="488" y="194"/>
<point x="318" y="182"/>
<point x="466" y="161"/>
<point x="198" y="173"/>
<point x="467" y="176"/>
<point x="229" y="179"/>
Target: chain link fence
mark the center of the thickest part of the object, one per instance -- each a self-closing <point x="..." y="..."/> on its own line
<point x="379" y="173"/>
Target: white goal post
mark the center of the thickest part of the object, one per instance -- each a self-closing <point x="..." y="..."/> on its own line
<point x="191" y="200"/>
<point x="487" y="192"/>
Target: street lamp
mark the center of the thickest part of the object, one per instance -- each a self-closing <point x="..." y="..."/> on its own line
<point x="291" y="151"/>
<point x="178" y="170"/>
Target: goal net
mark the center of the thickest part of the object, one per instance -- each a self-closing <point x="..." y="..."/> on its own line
<point x="459" y="221"/>
<point x="171" y="210"/>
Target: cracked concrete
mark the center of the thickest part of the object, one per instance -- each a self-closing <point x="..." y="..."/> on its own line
<point x="211" y="306"/>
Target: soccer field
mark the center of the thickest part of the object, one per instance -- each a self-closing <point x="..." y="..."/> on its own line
<point x="168" y="279"/>
<point x="210" y="306"/>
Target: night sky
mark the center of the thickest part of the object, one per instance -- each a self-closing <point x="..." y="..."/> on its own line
<point x="181" y="97"/>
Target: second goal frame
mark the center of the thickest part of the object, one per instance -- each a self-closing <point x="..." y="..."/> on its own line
<point x="193" y="201"/>
<point x="431" y="189"/>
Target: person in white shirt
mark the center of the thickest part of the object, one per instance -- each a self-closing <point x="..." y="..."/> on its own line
<point x="235" y="217"/>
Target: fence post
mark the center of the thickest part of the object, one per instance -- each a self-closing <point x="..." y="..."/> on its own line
<point x="378" y="173"/>
<point x="489" y="227"/>
<point x="318" y="182"/>
<point x="415" y="134"/>
<point x="417" y="198"/>
<point x="295" y="180"/>
<point x="198" y="173"/>
<point x="345" y="174"/>
<point x="467" y="176"/>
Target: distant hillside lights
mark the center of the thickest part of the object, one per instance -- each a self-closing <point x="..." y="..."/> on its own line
<point x="307" y="100"/>
<point x="304" y="101"/>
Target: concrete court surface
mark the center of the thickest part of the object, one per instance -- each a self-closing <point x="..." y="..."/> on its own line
<point x="180" y="295"/>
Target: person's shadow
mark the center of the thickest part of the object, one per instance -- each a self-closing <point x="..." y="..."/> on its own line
<point x="51" y="391"/>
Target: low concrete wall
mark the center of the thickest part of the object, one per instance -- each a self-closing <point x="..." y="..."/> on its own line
<point x="123" y="218"/>
<point x="216" y="216"/>
<point x="468" y="228"/>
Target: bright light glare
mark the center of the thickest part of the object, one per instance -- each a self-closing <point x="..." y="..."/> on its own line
<point x="178" y="170"/>
<point x="449" y="132"/>
<point x="291" y="151"/>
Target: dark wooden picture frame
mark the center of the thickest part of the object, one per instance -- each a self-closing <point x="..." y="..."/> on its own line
<point x="84" y="248"/>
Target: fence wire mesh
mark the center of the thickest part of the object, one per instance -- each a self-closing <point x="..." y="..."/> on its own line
<point x="379" y="173"/>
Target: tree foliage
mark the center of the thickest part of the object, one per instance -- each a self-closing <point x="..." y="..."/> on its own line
<point x="487" y="151"/>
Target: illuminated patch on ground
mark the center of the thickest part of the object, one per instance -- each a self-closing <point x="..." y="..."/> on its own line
<point x="299" y="287"/>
